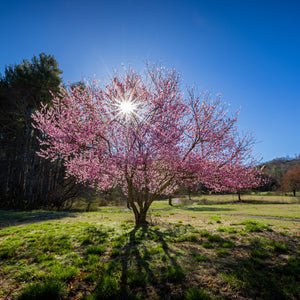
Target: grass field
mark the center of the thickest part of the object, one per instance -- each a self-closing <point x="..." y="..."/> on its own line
<point x="214" y="251"/>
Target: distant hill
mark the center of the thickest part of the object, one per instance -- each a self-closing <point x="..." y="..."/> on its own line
<point x="276" y="168"/>
<point x="279" y="166"/>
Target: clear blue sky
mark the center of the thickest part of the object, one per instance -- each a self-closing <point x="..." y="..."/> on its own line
<point x="247" y="50"/>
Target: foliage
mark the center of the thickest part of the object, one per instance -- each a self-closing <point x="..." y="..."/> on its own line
<point x="26" y="181"/>
<point x="142" y="134"/>
<point x="291" y="180"/>
<point x="274" y="170"/>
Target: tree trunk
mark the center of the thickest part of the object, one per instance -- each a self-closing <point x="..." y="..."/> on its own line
<point x="128" y="204"/>
<point x="140" y="218"/>
<point x="239" y="196"/>
<point x="294" y="193"/>
<point x="170" y="200"/>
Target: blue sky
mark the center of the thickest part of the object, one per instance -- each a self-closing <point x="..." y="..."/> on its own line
<point x="249" y="51"/>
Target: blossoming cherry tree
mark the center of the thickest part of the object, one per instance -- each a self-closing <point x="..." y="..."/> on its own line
<point x="143" y="134"/>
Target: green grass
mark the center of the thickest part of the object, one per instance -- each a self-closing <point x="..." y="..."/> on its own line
<point x="255" y="226"/>
<point x="101" y="255"/>
<point x="199" y="258"/>
<point x="173" y="274"/>
<point x="196" y="294"/>
<point x="47" y="290"/>
<point x="216" y="218"/>
<point x="94" y="249"/>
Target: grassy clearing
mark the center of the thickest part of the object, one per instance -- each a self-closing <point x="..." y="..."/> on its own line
<point x="184" y="254"/>
<point x="265" y="210"/>
<point x="253" y="198"/>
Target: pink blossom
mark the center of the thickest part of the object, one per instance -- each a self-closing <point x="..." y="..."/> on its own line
<point x="162" y="140"/>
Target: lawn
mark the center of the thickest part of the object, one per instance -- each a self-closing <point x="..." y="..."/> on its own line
<point x="186" y="252"/>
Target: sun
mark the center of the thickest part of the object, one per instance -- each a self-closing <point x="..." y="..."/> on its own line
<point x="126" y="107"/>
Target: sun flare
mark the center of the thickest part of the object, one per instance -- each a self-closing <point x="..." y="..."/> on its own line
<point x="126" y="107"/>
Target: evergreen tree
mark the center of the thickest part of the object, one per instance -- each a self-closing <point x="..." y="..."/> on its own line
<point x="26" y="179"/>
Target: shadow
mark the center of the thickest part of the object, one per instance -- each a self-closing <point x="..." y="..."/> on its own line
<point x="164" y="209"/>
<point x="203" y="208"/>
<point x="191" y="208"/>
<point x="135" y="253"/>
<point x="262" y="280"/>
<point x="253" y="201"/>
<point x="17" y="217"/>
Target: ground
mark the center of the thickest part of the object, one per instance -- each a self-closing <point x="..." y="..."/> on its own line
<point x="188" y="251"/>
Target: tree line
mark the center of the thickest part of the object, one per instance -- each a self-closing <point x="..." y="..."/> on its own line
<point x="27" y="180"/>
<point x="283" y="175"/>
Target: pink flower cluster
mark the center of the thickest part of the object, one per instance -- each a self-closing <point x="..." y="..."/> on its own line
<point x="168" y="139"/>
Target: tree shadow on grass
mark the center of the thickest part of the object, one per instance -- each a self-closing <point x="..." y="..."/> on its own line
<point x="253" y="201"/>
<point x="260" y="280"/>
<point x="191" y="208"/>
<point x="16" y="217"/>
<point x="204" y="208"/>
<point x="139" y="268"/>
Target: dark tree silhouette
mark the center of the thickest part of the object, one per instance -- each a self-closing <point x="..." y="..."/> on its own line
<point x="26" y="179"/>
